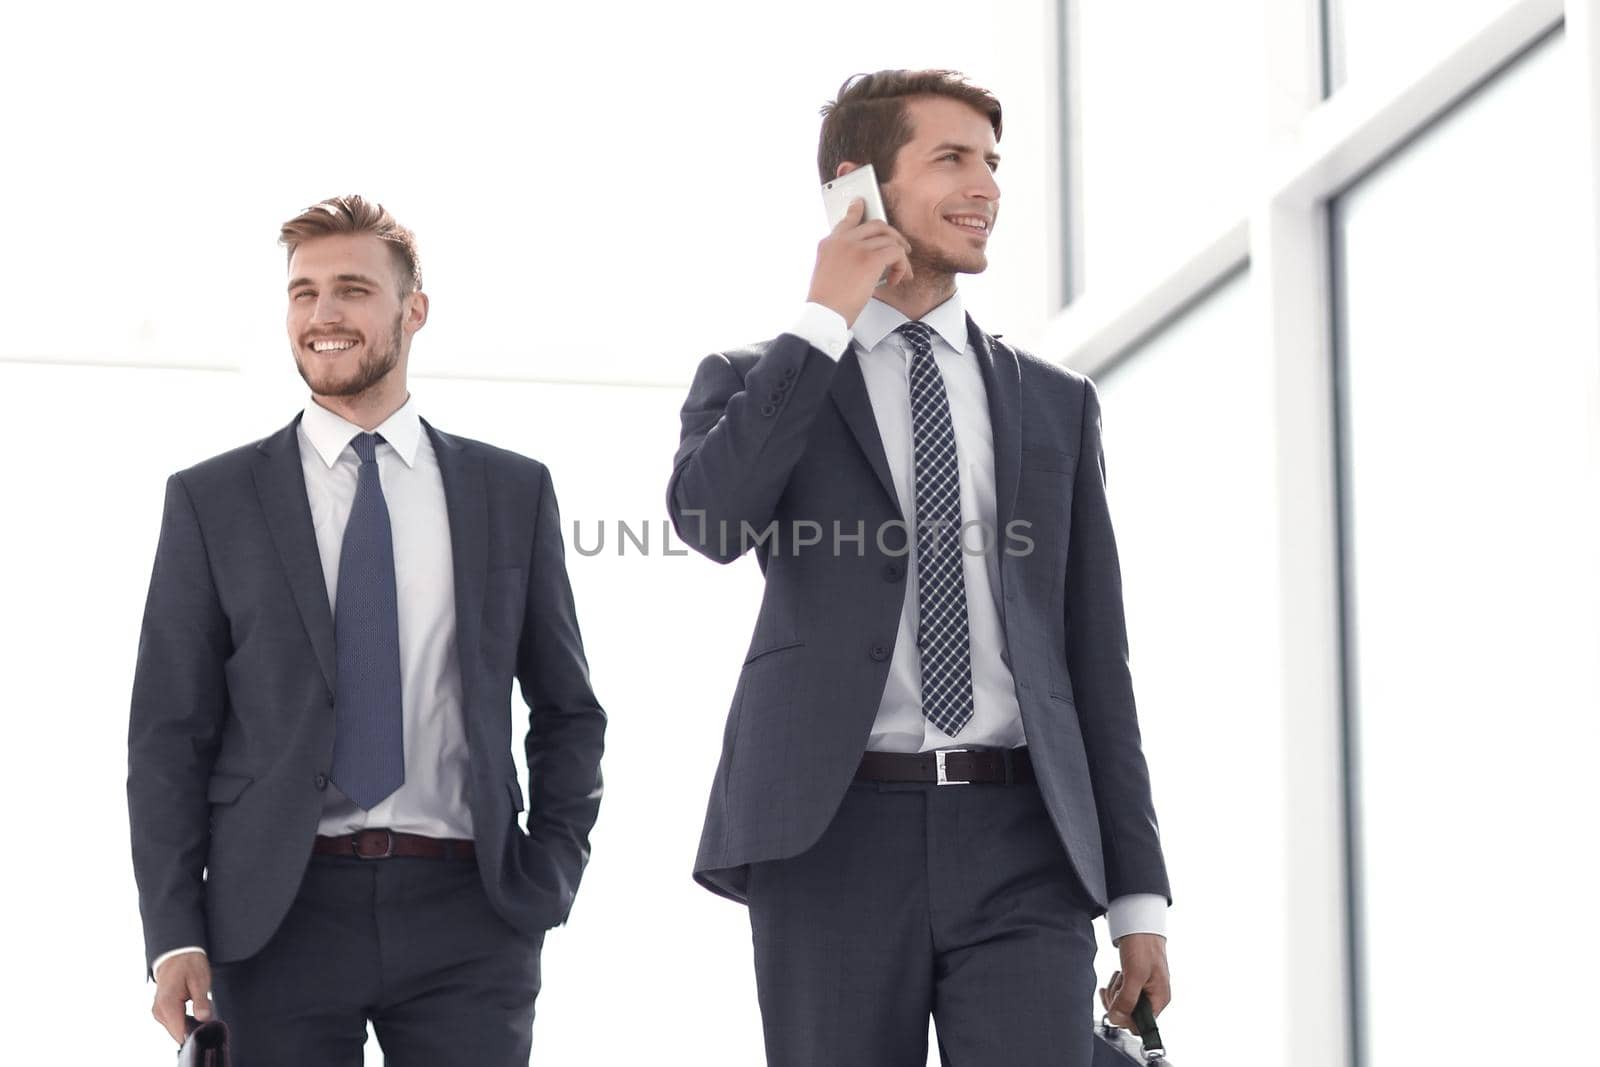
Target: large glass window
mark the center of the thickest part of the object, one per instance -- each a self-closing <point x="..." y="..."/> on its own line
<point x="1170" y="126"/>
<point x="1190" y="475"/>
<point x="1473" y="591"/>
<point x="1392" y="38"/>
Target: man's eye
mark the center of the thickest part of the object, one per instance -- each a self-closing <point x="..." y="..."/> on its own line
<point x="354" y="290"/>
<point x="301" y="294"/>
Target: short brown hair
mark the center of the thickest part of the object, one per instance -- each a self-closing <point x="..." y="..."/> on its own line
<point x="867" y="123"/>
<point x="357" y="214"/>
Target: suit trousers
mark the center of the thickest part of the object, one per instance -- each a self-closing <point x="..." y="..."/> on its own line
<point x="955" y="901"/>
<point x="412" y="945"/>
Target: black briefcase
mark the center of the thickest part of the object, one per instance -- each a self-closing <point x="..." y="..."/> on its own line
<point x="1116" y="1047"/>
<point x="206" y="1045"/>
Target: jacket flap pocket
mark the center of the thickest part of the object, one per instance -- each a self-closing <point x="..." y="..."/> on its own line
<point x="225" y="788"/>
<point x="756" y="654"/>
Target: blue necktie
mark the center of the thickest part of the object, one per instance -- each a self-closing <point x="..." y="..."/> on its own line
<point x="369" y="740"/>
<point x="943" y="641"/>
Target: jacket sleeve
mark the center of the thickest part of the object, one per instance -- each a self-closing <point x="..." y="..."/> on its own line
<point x="174" y="729"/>
<point x="742" y="435"/>
<point x="1097" y="659"/>
<point x="566" y="725"/>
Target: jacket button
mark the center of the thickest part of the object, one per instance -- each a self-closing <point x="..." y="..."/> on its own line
<point x="775" y="397"/>
<point x="788" y="372"/>
<point x="320" y="781"/>
<point x="769" y="410"/>
<point x="879" y="652"/>
<point x="783" y="386"/>
<point x="892" y="572"/>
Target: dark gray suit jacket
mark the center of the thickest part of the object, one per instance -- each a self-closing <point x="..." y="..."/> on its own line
<point x="781" y="432"/>
<point x="231" y="731"/>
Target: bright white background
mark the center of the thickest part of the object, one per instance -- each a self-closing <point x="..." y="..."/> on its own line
<point x="606" y="192"/>
<point x="603" y="194"/>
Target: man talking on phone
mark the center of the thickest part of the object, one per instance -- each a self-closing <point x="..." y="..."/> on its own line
<point x="931" y="778"/>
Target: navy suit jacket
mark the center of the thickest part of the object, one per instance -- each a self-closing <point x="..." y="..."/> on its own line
<point x="231" y="731"/>
<point x="780" y="432"/>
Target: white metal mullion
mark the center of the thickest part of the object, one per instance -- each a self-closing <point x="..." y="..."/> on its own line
<point x="1291" y="296"/>
<point x="1582" y="43"/>
<point x="1583" y="48"/>
<point x="1104" y="324"/>
<point x="1069" y="98"/>
<point x="1290" y="287"/>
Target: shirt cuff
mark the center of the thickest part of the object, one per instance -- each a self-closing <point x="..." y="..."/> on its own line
<point x="1137" y="913"/>
<point x="165" y="956"/>
<point x="823" y="329"/>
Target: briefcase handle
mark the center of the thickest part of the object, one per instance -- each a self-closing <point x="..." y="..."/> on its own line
<point x="1144" y="1018"/>
<point x="206" y="1044"/>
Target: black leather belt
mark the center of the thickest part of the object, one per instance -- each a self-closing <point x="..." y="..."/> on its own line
<point x="951" y="766"/>
<point x="382" y="844"/>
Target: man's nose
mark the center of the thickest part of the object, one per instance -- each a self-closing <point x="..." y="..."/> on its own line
<point x="327" y="310"/>
<point x="984" y="185"/>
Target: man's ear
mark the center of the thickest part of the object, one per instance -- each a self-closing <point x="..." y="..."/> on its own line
<point x="416" y="311"/>
<point x="845" y="168"/>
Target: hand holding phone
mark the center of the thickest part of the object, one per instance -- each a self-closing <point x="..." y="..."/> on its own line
<point x="861" y="252"/>
<point x="859" y="184"/>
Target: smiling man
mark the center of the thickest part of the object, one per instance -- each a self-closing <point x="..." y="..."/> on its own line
<point x="943" y="608"/>
<point x="321" y="790"/>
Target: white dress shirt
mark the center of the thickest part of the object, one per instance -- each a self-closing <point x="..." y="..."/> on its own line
<point x="433" y="799"/>
<point x="996" y="721"/>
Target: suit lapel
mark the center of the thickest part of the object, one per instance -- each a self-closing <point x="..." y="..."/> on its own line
<point x="281" y="487"/>
<point x="849" y="392"/>
<point x="1002" y="379"/>
<point x="466" y="496"/>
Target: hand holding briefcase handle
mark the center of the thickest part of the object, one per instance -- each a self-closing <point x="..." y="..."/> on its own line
<point x="1115" y="1047"/>
<point x="206" y="1044"/>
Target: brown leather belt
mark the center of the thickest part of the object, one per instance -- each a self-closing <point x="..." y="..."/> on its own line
<point x="382" y="844"/>
<point x="951" y="766"/>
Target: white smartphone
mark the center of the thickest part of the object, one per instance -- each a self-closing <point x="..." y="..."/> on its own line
<point x="859" y="184"/>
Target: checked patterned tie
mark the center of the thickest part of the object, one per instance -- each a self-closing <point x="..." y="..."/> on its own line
<point x="368" y="741"/>
<point x="942" y="637"/>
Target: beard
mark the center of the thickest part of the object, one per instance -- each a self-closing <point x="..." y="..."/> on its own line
<point x="379" y="360"/>
<point x="927" y="259"/>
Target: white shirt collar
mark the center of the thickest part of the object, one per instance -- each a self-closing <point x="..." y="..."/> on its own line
<point x="878" y="320"/>
<point x="331" y="434"/>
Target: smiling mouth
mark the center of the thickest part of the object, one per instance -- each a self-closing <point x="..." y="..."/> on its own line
<point x="329" y="346"/>
<point x="978" y="225"/>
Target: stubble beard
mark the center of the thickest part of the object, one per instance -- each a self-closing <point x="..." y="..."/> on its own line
<point x="935" y="263"/>
<point x="931" y="267"/>
<point x="373" y="368"/>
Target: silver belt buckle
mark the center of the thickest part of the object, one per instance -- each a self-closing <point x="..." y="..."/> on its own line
<point x="938" y="759"/>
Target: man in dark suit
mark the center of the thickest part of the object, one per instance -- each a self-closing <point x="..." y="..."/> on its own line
<point x="943" y="607"/>
<point x="321" y="790"/>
